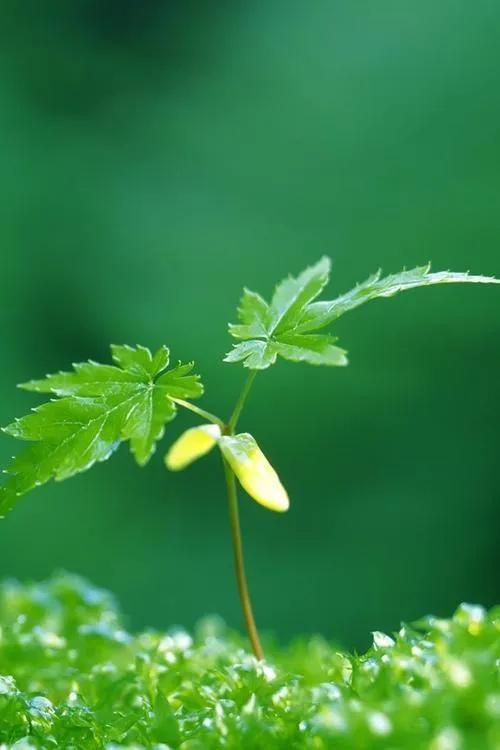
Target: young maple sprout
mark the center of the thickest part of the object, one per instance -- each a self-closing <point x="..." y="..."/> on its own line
<point x="95" y="407"/>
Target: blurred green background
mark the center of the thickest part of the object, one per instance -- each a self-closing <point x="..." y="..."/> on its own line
<point x="156" y="157"/>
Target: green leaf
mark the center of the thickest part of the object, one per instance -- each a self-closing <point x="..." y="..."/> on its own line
<point x="140" y="360"/>
<point x="164" y="725"/>
<point x="287" y="327"/>
<point x="265" y="329"/>
<point x="311" y="348"/>
<point x="178" y="383"/>
<point x="292" y="295"/>
<point x="320" y="314"/>
<point x="253" y="313"/>
<point x="255" y="354"/>
<point x="99" y="406"/>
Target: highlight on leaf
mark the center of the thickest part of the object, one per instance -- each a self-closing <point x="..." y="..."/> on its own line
<point x="254" y="472"/>
<point x="287" y="327"/>
<point x="192" y="445"/>
<point x="96" y="408"/>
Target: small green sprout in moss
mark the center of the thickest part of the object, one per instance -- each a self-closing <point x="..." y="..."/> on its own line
<point x="96" y="407"/>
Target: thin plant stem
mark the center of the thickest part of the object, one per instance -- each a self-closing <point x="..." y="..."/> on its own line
<point x="233" y="419"/>
<point x="239" y="563"/>
<point x="234" y="515"/>
<point x="234" y="521"/>
<point x="201" y="412"/>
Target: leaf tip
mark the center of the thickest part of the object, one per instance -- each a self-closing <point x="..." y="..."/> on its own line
<point x="325" y="261"/>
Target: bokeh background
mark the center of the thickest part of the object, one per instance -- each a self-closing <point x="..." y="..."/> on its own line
<point x="156" y="157"/>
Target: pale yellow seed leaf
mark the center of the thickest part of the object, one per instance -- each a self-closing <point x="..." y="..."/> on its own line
<point x="191" y="445"/>
<point x="254" y="472"/>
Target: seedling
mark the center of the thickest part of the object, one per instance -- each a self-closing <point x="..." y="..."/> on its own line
<point x="96" y="407"/>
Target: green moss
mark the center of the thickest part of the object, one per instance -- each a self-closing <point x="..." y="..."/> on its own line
<point x="72" y="677"/>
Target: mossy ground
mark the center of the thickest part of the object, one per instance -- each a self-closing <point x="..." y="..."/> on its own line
<point x="72" y="677"/>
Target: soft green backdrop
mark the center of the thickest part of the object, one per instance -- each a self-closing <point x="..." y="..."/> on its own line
<point x="158" y="156"/>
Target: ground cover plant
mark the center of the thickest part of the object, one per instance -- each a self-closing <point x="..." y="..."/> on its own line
<point x="73" y="677"/>
<point x="208" y="697"/>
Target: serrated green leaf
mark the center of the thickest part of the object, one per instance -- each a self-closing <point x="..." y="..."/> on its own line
<point x="87" y="379"/>
<point x="293" y="294"/>
<point x="146" y="423"/>
<point x="99" y="407"/>
<point x="178" y="383"/>
<point x="140" y="360"/>
<point x="287" y="327"/>
<point x="320" y="314"/>
<point x="311" y="348"/>
<point x="253" y="312"/>
<point x="264" y="327"/>
<point x="255" y="354"/>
